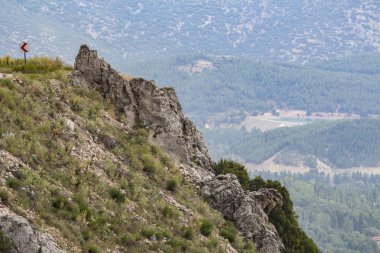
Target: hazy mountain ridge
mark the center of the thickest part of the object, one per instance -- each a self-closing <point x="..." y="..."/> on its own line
<point x="267" y="28"/>
<point x="341" y="144"/>
<point x="240" y="86"/>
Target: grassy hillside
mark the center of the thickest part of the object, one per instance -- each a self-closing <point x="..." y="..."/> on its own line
<point x="92" y="183"/>
<point x="249" y="85"/>
<point x="343" y="144"/>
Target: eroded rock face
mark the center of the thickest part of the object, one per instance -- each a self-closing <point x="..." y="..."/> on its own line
<point x="246" y="210"/>
<point x="24" y="238"/>
<point x="146" y="105"/>
<point x="159" y="111"/>
<point x="269" y="199"/>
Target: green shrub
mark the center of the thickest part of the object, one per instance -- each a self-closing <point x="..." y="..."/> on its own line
<point x="5" y="244"/>
<point x="179" y="244"/>
<point x="206" y="227"/>
<point x="98" y="222"/>
<point x="60" y="202"/>
<point x="171" y="185"/>
<point x="13" y="183"/>
<point x="150" y="164"/>
<point x="76" y="104"/>
<point x="188" y="233"/>
<point x="147" y="232"/>
<point x="82" y="205"/>
<point x="117" y="195"/>
<point x="129" y="239"/>
<point x="87" y="234"/>
<point x="6" y="83"/>
<point x="168" y="212"/>
<point x="4" y="196"/>
<point x="229" y="231"/>
<point x="238" y="169"/>
<point x="92" y="248"/>
<point x="213" y="243"/>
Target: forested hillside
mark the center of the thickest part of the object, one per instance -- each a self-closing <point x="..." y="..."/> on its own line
<point x="368" y="63"/>
<point x="253" y="86"/>
<point x="343" y="144"/>
<point x="342" y="217"/>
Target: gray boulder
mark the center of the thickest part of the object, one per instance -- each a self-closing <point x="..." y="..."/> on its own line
<point x="24" y="238"/>
<point x="246" y="210"/>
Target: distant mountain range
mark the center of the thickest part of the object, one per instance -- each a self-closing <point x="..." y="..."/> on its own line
<point x="216" y="88"/>
<point x="281" y="30"/>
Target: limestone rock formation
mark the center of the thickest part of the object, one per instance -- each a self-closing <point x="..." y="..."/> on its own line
<point x="246" y="210"/>
<point x="24" y="238"/>
<point x="269" y="199"/>
<point x="159" y="111"/>
<point x="144" y="104"/>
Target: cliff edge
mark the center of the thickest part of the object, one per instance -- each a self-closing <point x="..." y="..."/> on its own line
<point x="146" y="105"/>
<point x="159" y="111"/>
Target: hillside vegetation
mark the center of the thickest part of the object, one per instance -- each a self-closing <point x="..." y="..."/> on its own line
<point x="247" y="85"/>
<point x="343" y="144"/>
<point x="284" y="218"/>
<point x="92" y="183"/>
<point x="340" y="217"/>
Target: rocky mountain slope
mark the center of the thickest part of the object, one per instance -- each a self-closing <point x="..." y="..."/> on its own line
<point x="99" y="163"/>
<point x="286" y="30"/>
<point x="159" y="111"/>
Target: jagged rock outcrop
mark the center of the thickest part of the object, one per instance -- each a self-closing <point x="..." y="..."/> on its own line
<point x="269" y="199"/>
<point x="159" y="111"/>
<point x="246" y="210"/>
<point x="24" y="238"/>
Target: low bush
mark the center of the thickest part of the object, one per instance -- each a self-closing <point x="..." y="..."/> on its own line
<point x="206" y="227"/>
<point x="92" y="248"/>
<point x="150" y="164"/>
<point x="229" y="231"/>
<point x="147" y="232"/>
<point x="4" y="197"/>
<point x="13" y="183"/>
<point x="168" y="212"/>
<point x="188" y="233"/>
<point x="171" y="185"/>
<point x="117" y="195"/>
<point x="5" y="243"/>
<point x="129" y="239"/>
<point x="60" y="202"/>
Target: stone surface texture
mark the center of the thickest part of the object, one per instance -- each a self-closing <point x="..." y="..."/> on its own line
<point x="246" y="210"/>
<point x="23" y="236"/>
